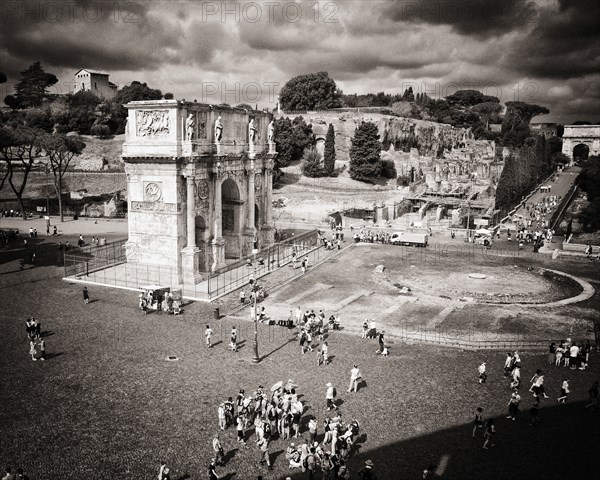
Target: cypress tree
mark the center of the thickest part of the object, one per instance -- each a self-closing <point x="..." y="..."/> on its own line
<point x="365" y="161"/>
<point x="329" y="153"/>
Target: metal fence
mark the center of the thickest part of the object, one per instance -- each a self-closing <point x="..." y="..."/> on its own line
<point x="470" y="339"/>
<point x="90" y="259"/>
<point x="108" y="265"/>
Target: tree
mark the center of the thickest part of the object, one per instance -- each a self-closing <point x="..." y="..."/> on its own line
<point x="3" y="77"/>
<point x="19" y="147"/>
<point x="311" y="164"/>
<point x="365" y="161"/>
<point x="515" y="126"/>
<point x="60" y="150"/>
<point x="315" y="91"/>
<point x="469" y="98"/>
<point x="134" y="92"/>
<point x="408" y="95"/>
<point x="31" y="90"/>
<point x="244" y="105"/>
<point x="168" y="96"/>
<point x="329" y="153"/>
<point x="291" y="138"/>
<point x="488" y="111"/>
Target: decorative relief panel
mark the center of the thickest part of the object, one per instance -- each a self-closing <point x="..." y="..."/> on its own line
<point x="152" y="123"/>
<point x="154" y="207"/>
<point x="203" y="189"/>
<point x="152" y="191"/>
<point x="257" y="181"/>
<point x="202" y="120"/>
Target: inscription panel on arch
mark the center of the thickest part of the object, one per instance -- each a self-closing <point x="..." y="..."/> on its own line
<point x="155" y="207"/>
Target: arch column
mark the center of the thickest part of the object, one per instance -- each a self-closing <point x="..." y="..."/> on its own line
<point x="190" y="255"/>
<point x="218" y="243"/>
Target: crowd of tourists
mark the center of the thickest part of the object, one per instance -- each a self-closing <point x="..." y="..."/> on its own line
<point x="264" y="415"/>
<point x="565" y="353"/>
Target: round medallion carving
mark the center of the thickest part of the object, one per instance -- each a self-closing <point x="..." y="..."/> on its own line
<point x="202" y="189"/>
<point x="258" y="181"/>
<point x="153" y="192"/>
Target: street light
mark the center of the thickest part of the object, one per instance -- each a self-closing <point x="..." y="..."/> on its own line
<point x="256" y="358"/>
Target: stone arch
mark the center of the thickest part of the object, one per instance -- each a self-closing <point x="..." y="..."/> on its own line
<point x="581" y="151"/>
<point x="231" y="201"/>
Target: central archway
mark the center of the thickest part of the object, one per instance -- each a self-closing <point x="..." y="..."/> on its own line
<point x="581" y="151"/>
<point x="231" y="221"/>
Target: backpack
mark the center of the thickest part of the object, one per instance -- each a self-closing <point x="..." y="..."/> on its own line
<point x="334" y="392"/>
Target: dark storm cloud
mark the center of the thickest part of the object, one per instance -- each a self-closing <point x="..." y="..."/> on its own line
<point x="483" y="18"/>
<point x="69" y="34"/>
<point x="564" y="45"/>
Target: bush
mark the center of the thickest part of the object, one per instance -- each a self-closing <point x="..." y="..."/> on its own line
<point x="101" y="131"/>
<point x="388" y="169"/>
<point x="311" y="164"/>
<point x="61" y="129"/>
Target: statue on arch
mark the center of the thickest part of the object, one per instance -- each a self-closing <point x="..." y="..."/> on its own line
<point x="189" y="127"/>
<point x="218" y="129"/>
<point x="271" y="136"/>
<point x="251" y="131"/>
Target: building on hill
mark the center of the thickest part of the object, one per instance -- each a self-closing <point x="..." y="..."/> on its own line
<point x="96" y="82"/>
<point x="546" y="129"/>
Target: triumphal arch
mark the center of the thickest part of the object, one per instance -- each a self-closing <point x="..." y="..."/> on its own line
<point x="581" y="135"/>
<point x="199" y="181"/>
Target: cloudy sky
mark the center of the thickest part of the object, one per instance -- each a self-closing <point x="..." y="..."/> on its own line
<point x="538" y="51"/>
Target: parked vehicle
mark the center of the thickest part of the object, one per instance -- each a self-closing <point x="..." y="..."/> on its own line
<point x="409" y="238"/>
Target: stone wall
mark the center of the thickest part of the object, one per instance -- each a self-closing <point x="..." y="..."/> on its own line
<point x="430" y="138"/>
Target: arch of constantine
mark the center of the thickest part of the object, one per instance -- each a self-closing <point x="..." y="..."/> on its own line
<point x="199" y="180"/>
<point x="575" y="135"/>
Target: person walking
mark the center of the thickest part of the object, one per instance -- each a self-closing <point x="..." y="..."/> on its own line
<point x="513" y="405"/>
<point x="355" y="377"/>
<point x="208" y="334"/>
<point x="330" y="396"/>
<point x="242" y="297"/>
<point x="488" y="434"/>
<point x="218" y="449"/>
<point x="212" y="470"/>
<point x="221" y="416"/>
<point x="42" y="344"/>
<point x="161" y="469"/>
<point x="482" y="374"/>
<point x="86" y="296"/>
<point x="478" y="422"/>
<point x="32" y="351"/>
<point x="367" y="472"/>
<point x="564" y="391"/>
<point x="263" y="444"/>
<point x="240" y="429"/>
<point x="535" y="412"/>
<point x="381" y="342"/>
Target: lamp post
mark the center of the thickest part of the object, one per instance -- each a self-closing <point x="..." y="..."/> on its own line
<point x="255" y="358"/>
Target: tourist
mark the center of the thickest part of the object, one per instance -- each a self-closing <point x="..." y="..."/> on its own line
<point x="367" y="473"/>
<point x="535" y="412"/>
<point x="355" y="377"/>
<point x="312" y="430"/>
<point x="221" y="416"/>
<point x="55" y="231"/>
<point x="508" y="364"/>
<point x="325" y="353"/>
<point x="161" y="469"/>
<point x="233" y="339"/>
<point x="212" y="470"/>
<point x="513" y="405"/>
<point x="564" y="391"/>
<point x="21" y="475"/>
<point x="218" y="449"/>
<point x="593" y="392"/>
<point x="574" y="354"/>
<point x="42" y="345"/>
<point x="32" y="350"/>
<point x="337" y="322"/>
<point x="488" y="434"/>
<point x="365" y="328"/>
<point x="552" y="354"/>
<point x="588" y="252"/>
<point x="298" y="315"/>
<point x="330" y="396"/>
<point x="263" y="445"/>
<point x="559" y="352"/>
<point x="86" y="296"/>
<point x="381" y="342"/>
<point x="516" y="378"/>
<point x="482" y="374"/>
<point x="240" y="429"/>
<point x="208" y="334"/>
<point x="242" y="297"/>
<point x="478" y="421"/>
<point x="538" y="385"/>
